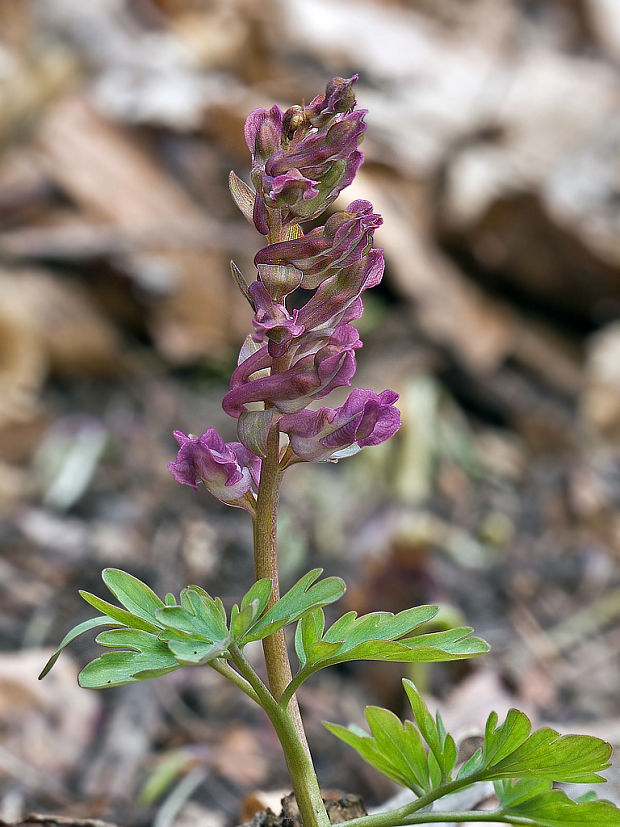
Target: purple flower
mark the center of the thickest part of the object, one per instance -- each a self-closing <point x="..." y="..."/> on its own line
<point x="366" y="418"/>
<point x="263" y="131"/>
<point x="227" y="469"/>
<point x="343" y="240"/>
<point x="303" y="181"/>
<point x="273" y="320"/>
<point x="316" y="152"/>
<point x="335" y="296"/>
<point x="287" y="189"/>
<point x="311" y="377"/>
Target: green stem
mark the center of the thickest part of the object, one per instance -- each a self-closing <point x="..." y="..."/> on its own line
<point x="298" y="761"/>
<point x="293" y="686"/>
<point x="448" y="817"/>
<point x="287" y="723"/>
<point x="234" y="677"/>
<point x="404" y="815"/>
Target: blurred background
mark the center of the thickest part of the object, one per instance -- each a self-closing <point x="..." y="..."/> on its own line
<point x="493" y="154"/>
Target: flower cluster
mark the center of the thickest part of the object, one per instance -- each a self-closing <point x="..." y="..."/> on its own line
<point x="301" y="160"/>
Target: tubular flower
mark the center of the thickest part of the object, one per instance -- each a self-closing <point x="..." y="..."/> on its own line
<point x="336" y="294"/>
<point x="273" y="320"/>
<point x="263" y="130"/>
<point x="311" y="377"/>
<point x="227" y="470"/>
<point x="366" y="418"/>
<point x="343" y="240"/>
<point x="339" y="97"/>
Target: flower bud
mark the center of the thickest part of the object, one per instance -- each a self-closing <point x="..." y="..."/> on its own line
<point x="292" y="120"/>
<point x="263" y="131"/>
<point x="338" y="97"/>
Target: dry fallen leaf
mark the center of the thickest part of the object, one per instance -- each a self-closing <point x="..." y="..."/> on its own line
<point x="240" y="757"/>
<point x="46" y="726"/>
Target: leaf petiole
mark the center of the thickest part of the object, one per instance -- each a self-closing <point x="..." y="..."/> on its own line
<point x="220" y="666"/>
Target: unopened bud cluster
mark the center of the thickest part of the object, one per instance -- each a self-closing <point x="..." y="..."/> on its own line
<point x="301" y="160"/>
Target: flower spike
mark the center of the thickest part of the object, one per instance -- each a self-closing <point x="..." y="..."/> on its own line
<point x="300" y="351"/>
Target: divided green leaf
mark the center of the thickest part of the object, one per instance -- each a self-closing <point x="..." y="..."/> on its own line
<point x="199" y="616"/>
<point x="193" y="633"/>
<point x="137" y="598"/>
<point x="122" y="616"/>
<point x="302" y="598"/>
<point x="441" y="745"/>
<point x="398" y="749"/>
<point x="196" y="632"/>
<point x="85" y="626"/>
<point x="252" y="607"/>
<point x="143" y="656"/>
<point x="544" y="807"/>
<point x="381" y="636"/>
<point x="369" y="750"/>
<point x="132" y="593"/>
<point x="157" y="636"/>
<point x="511" y="750"/>
<point x="422" y="756"/>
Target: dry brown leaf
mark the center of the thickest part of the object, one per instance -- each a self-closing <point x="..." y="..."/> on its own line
<point x="112" y="176"/>
<point x="452" y="310"/>
<point x="30" y="82"/>
<point x="58" y="325"/>
<point x="605" y="22"/>
<point x="180" y="257"/>
<point x="600" y="401"/>
<point x="23" y="364"/>
<point x="203" y="313"/>
<point x="46" y="725"/>
<point x="241" y="758"/>
<point x="485" y="331"/>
